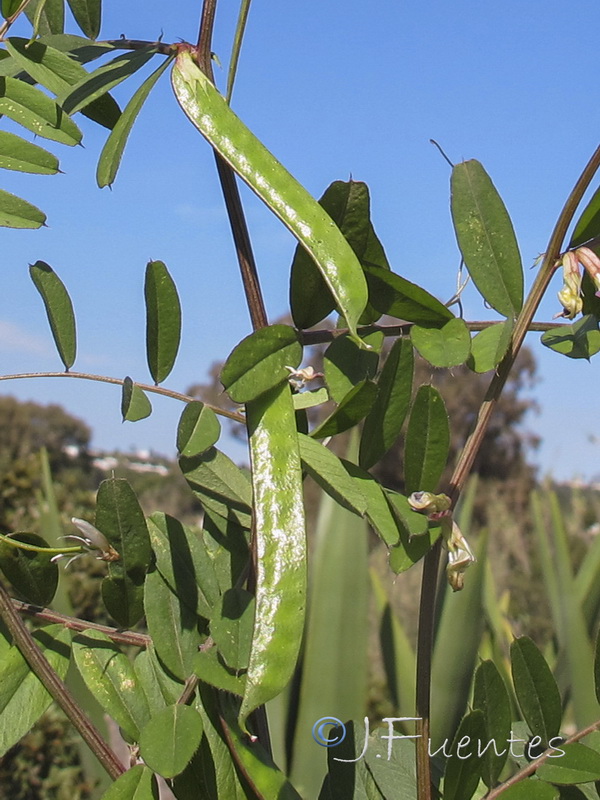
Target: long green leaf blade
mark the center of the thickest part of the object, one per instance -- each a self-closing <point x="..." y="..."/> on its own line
<point x="486" y="238"/>
<point x="334" y="664"/>
<point x="58" y="72"/>
<point x="393" y="295"/>
<point x="112" y="152"/>
<point x="87" y="15"/>
<point x="138" y="783"/>
<point x="170" y="739"/>
<point x="281" y="547"/>
<point x="37" y="112"/>
<point x="536" y="689"/>
<point x="427" y="442"/>
<point x="23" y="156"/>
<point x="46" y="16"/>
<point x="163" y="320"/>
<point x="59" y="310"/>
<point x="384" y="422"/>
<point x="98" y="83"/>
<point x="120" y="518"/>
<point x="288" y="200"/>
<point x="172" y="625"/>
<point x="328" y="471"/>
<point x="109" y="675"/>
<point x="18" y="213"/>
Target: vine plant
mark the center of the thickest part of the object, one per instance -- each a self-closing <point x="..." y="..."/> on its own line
<point x="224" y="607"/>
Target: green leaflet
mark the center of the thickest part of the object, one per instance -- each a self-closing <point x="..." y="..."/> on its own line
<point x="489" y="347"/>
<point x="198" y="429"/>
<point x="120" y="518"/>
<point x="23" y="156"/>
<point x="491" y="697"/>
<point x="588" y="224"/>
<point x="220" y="485"/>
<point x="294" y="206"/>
<point x="348" y="205"/>
<point x="427" y="442"/>
<point x="112" y="152"/>
<point x="46" y="16"/>
<point x="184" y="563"/>
<point x="23" y="699"/>
<point x="394" y="295"/>
<point x="59" y="310"/>
<point x="536" y="689"/>
<point x="447" y="346"/>
<point x="328" y="471"/>
<point x="231" y="628"/>
<point x="103" y="79"/>
<point x="579" y="340"/>
<point x="109" y="675"/>
<point x="384" y="422"/>
<point x="134" y="402"/>
<point x="87" y="15"/>
<point x="57" y="72"/>
<point x="33" y="574"/>
<point x="345" y="363"/>
<point x="170" y="739"/>
<point x="572" y="763"/>
<point x="280" y="547"/>
<point x="352" y="408"/>
<point x="18" y="213"/>
<point x="163" y="320"/>
<point x="173" y="626"/>
<point x="255" y="763"/>
<point x="37" y="112"/>
<point x="258" y="362"/>
<point x="463" y="767"/>
<point x="9" y="7"/>
<point x="138" y="783"/>
<point x="486" y="238"/>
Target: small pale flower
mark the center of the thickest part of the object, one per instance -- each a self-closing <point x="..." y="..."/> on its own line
<point x="591" y="264"/>
<point x="92" y="540"/>
<point x="570" y="295"/>
<point x="300" y="377"/>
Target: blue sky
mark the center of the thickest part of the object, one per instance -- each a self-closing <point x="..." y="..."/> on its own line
<point x="333" y="90"/>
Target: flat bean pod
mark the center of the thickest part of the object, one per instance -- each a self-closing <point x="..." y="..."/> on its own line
<point x="271" y="181"/>
<point x="280" y="546"/>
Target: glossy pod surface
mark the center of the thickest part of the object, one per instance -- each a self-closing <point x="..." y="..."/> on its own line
<point x="282" y="193"/>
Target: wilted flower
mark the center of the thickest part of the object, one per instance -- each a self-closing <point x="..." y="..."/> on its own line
<point x="92" y="540"/>
<point x="591" y="263"/>
<point x="570" y="295"/>
<point x="436" y="507"/>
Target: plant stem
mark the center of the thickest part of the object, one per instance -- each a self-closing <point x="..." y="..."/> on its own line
<point x="403" y="329"/>
<point x="74" y="624"/>
<point x="55" y="686"/>
<point x="229" y="187"/>
<point x="469" y="452"/>
<point x="146" y="387"/>
<point x="530" y="768"/>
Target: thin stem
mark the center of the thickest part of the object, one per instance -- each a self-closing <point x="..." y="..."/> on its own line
<point x="73" y="624"/>
<point x="522" y="325"/>
<point x="528" y="770"/>
<point x="470" y="450"/>
<point x="140" y="44"/>
<point x="229" y="187"/>
<point x="323" y="336"/>
<point x="55" y="686"/>
<point x="5" y="27"/>
<point x="147" y="387"/>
